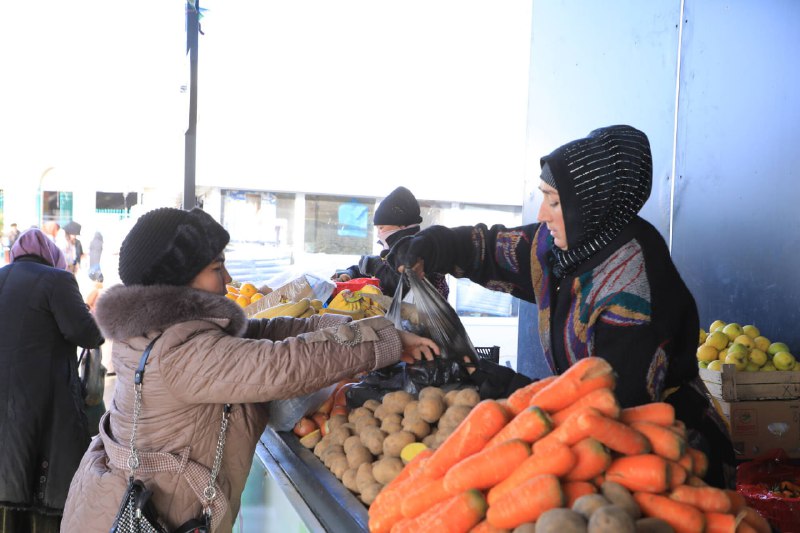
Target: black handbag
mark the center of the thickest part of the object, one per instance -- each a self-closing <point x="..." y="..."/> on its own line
<point x="137" y="513"/>
<point x="93" y="375"/>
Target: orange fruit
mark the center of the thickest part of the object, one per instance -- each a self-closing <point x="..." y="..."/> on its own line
<point x="233" y="296"/>
<point x="257" y="296"/>
<point x="231" y="289"/>
<point x="248" y="289"/>
<point x="244" y="301"/>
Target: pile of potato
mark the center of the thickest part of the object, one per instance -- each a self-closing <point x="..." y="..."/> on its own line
<point x="369" y="447"/>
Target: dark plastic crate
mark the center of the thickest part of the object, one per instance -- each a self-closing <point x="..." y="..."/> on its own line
<point x="492" y="353"/>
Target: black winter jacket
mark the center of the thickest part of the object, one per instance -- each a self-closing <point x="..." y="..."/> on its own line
<point x="43" y="429"/>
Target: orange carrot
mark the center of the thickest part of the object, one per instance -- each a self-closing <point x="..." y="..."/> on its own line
<point x="557" y="461"/>
<point x="707" y="499"/>
<point x="602" y="399"/>
<point x="580" y="379"/>
<point x="521" y="398"/>
<point x="720" y="523"/>
<point x="592" y="460"/>
<point x="663" y="441"/>
<point x="681" y="516"/>
<point x="486" y="468"/>
<point x="616" y="435"/>
<point x="482" y="423"/>
<point x="575" y="489"/>
<point x="529" y="425"/>
<point x="678" y="429"/>
<point x="694" y="481"/>
<point x="686" y="462"/>
<point x="384" y="511"/>
<point x="660" y="413"/>
<point x="527" y="502"/>
<point x="699" y="462"/>
<point x="737" y="501"/>
<point x="568" y="433"/>
<point x="422" y="497"/>
<point x="644" y="473"/>
<point x="458" y="514"/>
<point x="755" y="520"/>
<point x="677" y="474"/>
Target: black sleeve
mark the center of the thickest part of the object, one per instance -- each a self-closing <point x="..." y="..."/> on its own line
<point x="72" y="314"/>
<point x="497" y="381"/>
<point x="630" y="351"/>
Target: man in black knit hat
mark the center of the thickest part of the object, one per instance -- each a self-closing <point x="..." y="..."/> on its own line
<point x="397" y="216"/>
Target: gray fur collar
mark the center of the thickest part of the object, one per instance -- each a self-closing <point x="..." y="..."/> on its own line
<point x="133" y="311"/>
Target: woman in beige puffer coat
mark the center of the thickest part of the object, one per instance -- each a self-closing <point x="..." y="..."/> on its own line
<point x="208" y="354"/>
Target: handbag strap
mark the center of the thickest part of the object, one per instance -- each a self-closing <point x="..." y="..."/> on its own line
<point x="210" y="492"/>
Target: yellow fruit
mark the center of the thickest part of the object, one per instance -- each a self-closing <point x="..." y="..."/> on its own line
<point x="231" y="289"/>
<point x="702" y="364"/>
<point x="762" y="343"/>
<point x="256" y="297"/>
<point x="737" y="348"/>
<point x="248" y="289"/>
<point x="751" y="331"/>
<point x="732" y="330"/>
<point x="370" y="289"/>
<point x="723" y="353"/>
<point x="703" y="335"/>
<point x="707" y="353"/>
<point x="232" y="296"/>
<point x="715" y="365"/>
<point x="758" y="357"/>
<point x="717" y="339"/>
<point x="751" y="367"/>
<point x="243" y="301"/>
<point x="768" y="367"/>
<point x="316" y="304"/>
<point x="739" y="359"/>
<point x="776" y="347"/>
<point x="717" y="324"/>
<point x="745" y="340"/>
<point x="783" y="361"/>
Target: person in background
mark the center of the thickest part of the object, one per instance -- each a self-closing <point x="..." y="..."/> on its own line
<point x="43" y="428"/>
<point x="207" y="354"/>
<point x="397" y="216"/>
<point x="601" y="277"/>
<point x="77" y="248"/>
<point x="95" y="252"/>
<point x="11" y="237"/>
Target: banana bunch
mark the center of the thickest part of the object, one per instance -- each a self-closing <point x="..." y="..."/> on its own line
<point x="303" y="308"/>
<point x="360" y="300"/>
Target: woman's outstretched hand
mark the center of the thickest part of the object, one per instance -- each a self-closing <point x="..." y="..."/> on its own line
<point x="416" y="348"/>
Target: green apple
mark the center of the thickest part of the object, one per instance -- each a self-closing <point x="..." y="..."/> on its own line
<point x="758" y="357"/>
<point x="732" y="330"/>
<point x="702" y="364"/>
<point x="716" y="325"/>
<point x="768" y="367"/>
<point x="744" y="340"/>
<point x="783" y="361"/>
<point x="703" y="336"/>
<point x="751" y="331"/>
<point x="751" y="367"/>
<point x="739" y="348"/>
<point x="739" y="359"/>
<point x="715" y="365"/>
<point x="717" y="339"/>
<point x="776" y="347"/>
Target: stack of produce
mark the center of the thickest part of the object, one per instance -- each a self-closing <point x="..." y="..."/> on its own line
<point x="368" y="447"/>
<point x="358" y="304"/>
<point x="562" y="454"/>
<point x="246" y="293"/>
<point x="744" y="347"/>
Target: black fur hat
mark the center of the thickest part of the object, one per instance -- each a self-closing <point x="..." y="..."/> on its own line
<point x="400" y="208"/>
<point x="170" y="246"/>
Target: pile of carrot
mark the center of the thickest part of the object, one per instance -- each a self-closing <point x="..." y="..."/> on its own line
<point x="548" y="444"/>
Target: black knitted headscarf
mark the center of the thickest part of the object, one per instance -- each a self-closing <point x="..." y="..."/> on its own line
<point x="603" y="180"/>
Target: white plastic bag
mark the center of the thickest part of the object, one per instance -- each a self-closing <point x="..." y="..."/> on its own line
<point x="284" y="414"/>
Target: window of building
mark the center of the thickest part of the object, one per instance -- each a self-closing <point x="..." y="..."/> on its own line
<point x="339" y="225"/>
<point x="56" y="207"/>
<point x="118" y="203"/>
<point x="258" y="216"/>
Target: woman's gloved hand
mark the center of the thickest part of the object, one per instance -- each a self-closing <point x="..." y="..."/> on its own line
<point x="421" y="251"/>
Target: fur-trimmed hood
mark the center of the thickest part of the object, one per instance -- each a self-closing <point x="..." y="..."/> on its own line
<point x="133" y="311"/>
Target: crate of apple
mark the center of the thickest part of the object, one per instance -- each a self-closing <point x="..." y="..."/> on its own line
<point x="744" y="347"/>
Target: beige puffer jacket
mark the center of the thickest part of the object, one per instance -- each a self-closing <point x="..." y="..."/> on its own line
<point x="209" y="354"/>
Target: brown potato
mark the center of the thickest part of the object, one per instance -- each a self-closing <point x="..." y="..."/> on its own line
<point x="588" y="504"/>
<point x="386" y="469"/>
<point x="321" y="446"/>
<point x="349" y="479"/>
<point x="450" y="397"/>
<point x="653" y="525"/>
<point x="560" y="520"/>
<point x="340" y="434"/>
<point x="381" y="412"/>
<point x="332" y="449"/>
<point x="357" y="413"/>
<point x="410" y="409"/>
<point x="611" y="519"/>
<point x="527" y="527"/>
<point x="395" y="401"/>
<point x="358" y="455"/>
<point x="339" y="465"/>
<point x="365" y="421"/>
<point x="372" y="404"/>
<point x="468" y="397"/>
<point x="454" y="415"/>
<point x="417" y="426"/>
<point x="364" y="476"/>
<point x="351" y="441"/>
<point x="431" y="408"/>
<point x="370" y="492"/>
<point x="392" y="423"/>
<point x="619" y="495"/>
<point x="431" y="391"/>
<point x="335" y="421"/>
<point x="393" y="444"/>
<point x="372" y="438"/>
<point x="430" y="440"/>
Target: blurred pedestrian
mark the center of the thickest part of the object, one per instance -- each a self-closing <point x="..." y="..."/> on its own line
<point x="95" y="252"/>
<point x="43" y="428"/>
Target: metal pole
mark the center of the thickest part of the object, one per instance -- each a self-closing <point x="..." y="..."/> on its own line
<point x="190" y="157"/>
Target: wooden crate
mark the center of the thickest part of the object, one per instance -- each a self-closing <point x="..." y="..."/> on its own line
<point x="732" y="386"/>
